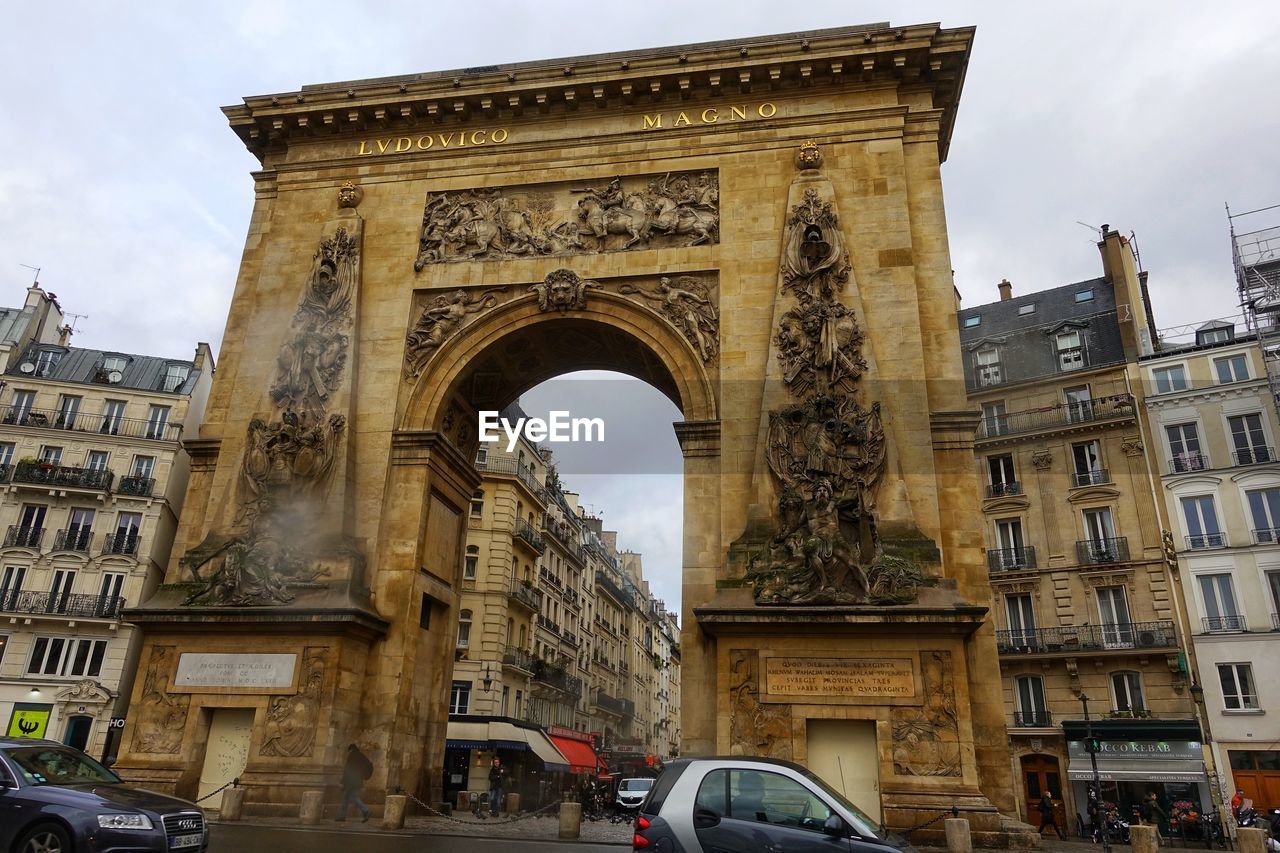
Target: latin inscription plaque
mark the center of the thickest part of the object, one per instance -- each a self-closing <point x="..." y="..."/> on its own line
<point x="232" y="670"/>
<point x="839" y="677"/>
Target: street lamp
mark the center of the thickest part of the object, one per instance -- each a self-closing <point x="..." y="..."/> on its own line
<point x="1092" y="746"/>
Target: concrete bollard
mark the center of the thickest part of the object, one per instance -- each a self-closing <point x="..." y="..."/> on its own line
<point x="570" y="820"/>
<point x="1144" y="839"/>
<point x="1251" y="840"/>
<point x="232" y="804"/>
<point x="393" y="813"/>
<point x="958" y="838"/>
<point x="310" y="809"/>
<point x="513" y="803"/>
<point x="464" y="801"/>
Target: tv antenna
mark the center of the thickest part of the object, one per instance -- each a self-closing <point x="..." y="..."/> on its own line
<point x="36" y="281"/>
<point x="71" y="326"/>
<point x="1094" y="228"/>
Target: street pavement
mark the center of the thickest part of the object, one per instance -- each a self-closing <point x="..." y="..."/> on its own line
<point x="259" y="837"/>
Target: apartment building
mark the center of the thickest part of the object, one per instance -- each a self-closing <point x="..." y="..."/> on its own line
<point x="1213" y="428"/>
<point x="92" y="477"/>
<point x="1084" y="598"/>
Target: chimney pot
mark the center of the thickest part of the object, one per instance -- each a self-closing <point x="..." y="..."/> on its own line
<point x="1006" y="290"/>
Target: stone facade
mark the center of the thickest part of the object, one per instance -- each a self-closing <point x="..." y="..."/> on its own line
<point x="754" y="228"/>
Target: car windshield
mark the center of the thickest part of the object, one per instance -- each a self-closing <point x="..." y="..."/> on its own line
<point x="864" y="825"/>
<point x="53" y="765"/>
<point x="635" y="784"/>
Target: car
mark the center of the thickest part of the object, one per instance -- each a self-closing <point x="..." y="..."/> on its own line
<point x="56" y="799"/>
<point x="631" y="793"/>
<point x="718" y="805"/>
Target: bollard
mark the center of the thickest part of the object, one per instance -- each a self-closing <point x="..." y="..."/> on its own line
<point x="1144" y="839"/>
<point x="393" y="813"/>
<point x="464" y="800"/>
<point x="513" y="804"/>
<point x="311" y="807"/>
<point x="958" y="839"/>
<point x="1251" y="840"/>
<point x="570" y="820"/>
<point x="232" y="804"/>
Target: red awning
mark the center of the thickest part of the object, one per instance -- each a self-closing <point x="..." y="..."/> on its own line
<point x="579" y="754"/>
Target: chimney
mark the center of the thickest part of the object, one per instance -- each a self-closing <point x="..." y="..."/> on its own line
<point x="1006" y="290"/>
<point x="64" y="335"/>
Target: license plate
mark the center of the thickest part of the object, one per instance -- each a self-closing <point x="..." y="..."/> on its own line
<point x="182" y="842"/>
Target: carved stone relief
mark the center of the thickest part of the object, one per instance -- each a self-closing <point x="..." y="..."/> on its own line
<point x="161" y="718"/>
<point x="291" y="720"/>
<point x="562" y="290"/>
<point x="926" y="740"/>
<point x="1132" y="446"/>
<point x="442" y="317"/>
<point x="814" y="263"/>
<point x="755" y="728"/>
<point x="1041" y="459"/>
<point x="681" y="209"/>
<point x="686" y="303"/>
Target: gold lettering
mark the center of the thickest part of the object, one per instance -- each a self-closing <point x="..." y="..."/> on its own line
<point x="710" y="115"/>
<point x="477" y="137"/>
<point x="383" y="144"/>
<point x="363" y="149"/>
<point x="404" y="143"/>
<point x="767" y="110"/>
<point x="683" y="119"/>
<point x="429" y="140"/>
<point x="445" y="140"/>
<point x="495" y="138"/>
<point x="653" y="121"/>
<point x="737" y="113"/>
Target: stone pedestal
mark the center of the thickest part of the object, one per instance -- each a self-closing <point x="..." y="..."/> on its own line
<point x="1145" y="839"/>
<point x="957" y="831"/>
<point x="232" y="804"/>
<point x="1251" y="840"/>
<point x="570" y="820"/>
<point x="393" y="814"/>
<point x="311" y="808"/>
<point x="513" y="803"/>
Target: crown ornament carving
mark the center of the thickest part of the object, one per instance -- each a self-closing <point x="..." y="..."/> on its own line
<point x="809" y="156"/>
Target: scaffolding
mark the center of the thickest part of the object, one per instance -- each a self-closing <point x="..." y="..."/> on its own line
<point x="1255" y="250"/>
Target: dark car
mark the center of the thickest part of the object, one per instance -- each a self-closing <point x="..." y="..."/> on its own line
<point x="55" y="799"/>
<point x="737" y="805"/>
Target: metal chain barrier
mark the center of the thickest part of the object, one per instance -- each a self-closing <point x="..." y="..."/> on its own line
<point x="955" y="812"/>
<point x="479" y="820"/>
<point x="234" y="783"/>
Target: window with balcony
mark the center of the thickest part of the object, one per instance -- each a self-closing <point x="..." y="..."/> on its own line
<point x="1232" y="368"/>
<point x="23" y="403"/>
<point x="1248" y="439"/>
<point x="110" y="590"/>
<point x="1221" y="614"/>
<point x="1126" y="694"/>
<point x="1032" y="710"/>
<point x="6" y="452"/>
<point x="174" y="376"/>
<point x="79" y="530"/>
<point x="1184" y="448"/>
<point x="1011" y="552"/>
<point x="1113" y="613"/>
<point x="994" y="419"/>
<point x="1070" y="350"/>
<point x="1201" y="518"/>
<point x="477" y="503"/>
<point x="482" y="457"/>
<point x="470" y="562"/>
<point x="987" y="365"/>
<point x="464" y="629"/>
<point x="460" y="698"/>
<point x="67" y="657"/>
<point x="112" y="416"/>
<point x="1170" y="379"/>
<point x="96" y="460"/>
<point x="68" y="412"/>
<point x="1238" y="691"/>
<point x="1079" y="404"/>
<point x="30" y="528"/>
<point x="1002" y="479"/>
<point x="1273" y="586"/>
<point x="157" y="421"/>
<point x="1020" y="614"/>
<point x="11" y="586"/>
<point x="125" y="538"/>
<point x="60" y="591"/>
<point x="1086" y="460"/>
<point x="142" y="467"/>
<point x="51" y="455"/>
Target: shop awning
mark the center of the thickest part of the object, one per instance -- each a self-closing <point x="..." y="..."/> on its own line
<point x="581" y="757"/>
<point x="504" y="735"/>
<point x="467" y="735"/>
<point x="1138" y="770"/>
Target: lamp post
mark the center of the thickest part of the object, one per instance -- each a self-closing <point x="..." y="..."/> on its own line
<point x="1093" y="763"/>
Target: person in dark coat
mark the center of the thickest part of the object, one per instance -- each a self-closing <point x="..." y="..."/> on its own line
<point x="497" y="784"/>
<point x="355" y="771"/>
<point x="1156" y="816"/>
<point x="1047" y="817"/>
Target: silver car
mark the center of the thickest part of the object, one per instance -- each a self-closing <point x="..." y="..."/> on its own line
<point x="745" y="805"/>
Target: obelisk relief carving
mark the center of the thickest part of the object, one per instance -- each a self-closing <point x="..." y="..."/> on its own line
<point x="825" y="444"/>
<point x="289" y="513"/>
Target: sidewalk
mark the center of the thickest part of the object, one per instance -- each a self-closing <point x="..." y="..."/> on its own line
<point x="541" y="828"/>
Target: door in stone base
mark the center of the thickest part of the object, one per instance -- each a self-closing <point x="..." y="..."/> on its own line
<point x="1040" y="773"/>
<point x="843" y="753"/>
<point x="227" y="751"/>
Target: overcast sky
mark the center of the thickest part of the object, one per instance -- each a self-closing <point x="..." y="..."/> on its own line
<point x="120" y="178"/>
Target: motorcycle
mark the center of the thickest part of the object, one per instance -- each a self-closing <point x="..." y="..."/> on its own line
<point x="1211" y="830"/>
<point x="1247" y="818"/>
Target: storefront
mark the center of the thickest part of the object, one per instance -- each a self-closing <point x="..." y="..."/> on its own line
<point x="534" y="767"/>
<point x="1137" y="758"/>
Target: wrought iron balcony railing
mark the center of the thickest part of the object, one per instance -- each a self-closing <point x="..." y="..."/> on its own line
<point x="570" y="637"/>
<point x="548" y="623"/>
<point x="73" y="539"/>
<point x="1224" y="624"/>
<point x="63" y="604"/>
<point x="48" y="474"/>
<point x="1092" y="477"/>
<point x="121" y="543"/>
<point x="103" y="424"/>
<point x="1267" y="536"/>
<point x="621" y="595"/>
<point x="556" y="677"/>
<point x="1003" y="490"/>
<point x="140" y="487"/>
<point x="990" y="374"/>
<point x="518" y="658"/>
<point x="1065" y="414"/>
<point x="549" y="577"/>
<point x="23" y="537"/>
<point x="1011" y="559"/>
<point x="1189" y="461"/>
<point x="529" y="596"/>
<point x="1084" y="638"/>
<point x="524" y="530"/>
<point x="608" y="703"/>
<point x="1253" y="455"/>
<point x="1207" y="540"/>
<point x="1032" y="719"/>
<point x="507" y="465"/>
<point x="1093" y="552"/>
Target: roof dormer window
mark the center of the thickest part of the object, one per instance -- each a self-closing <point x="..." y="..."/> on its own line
<point x="46" y="361"/>
<point x="175" y="375"/>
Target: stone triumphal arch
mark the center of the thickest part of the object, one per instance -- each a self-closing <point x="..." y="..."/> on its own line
<point x="756" y="228"/>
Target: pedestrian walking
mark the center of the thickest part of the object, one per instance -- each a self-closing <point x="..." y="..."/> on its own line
<point x="497" y="784"/>
<point x="1047" y="817"/>
<point x="355" y="772"/>
<point x="1156" y="816"/>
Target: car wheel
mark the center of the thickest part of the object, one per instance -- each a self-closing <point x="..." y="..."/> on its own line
<point x="45" y="838"/>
